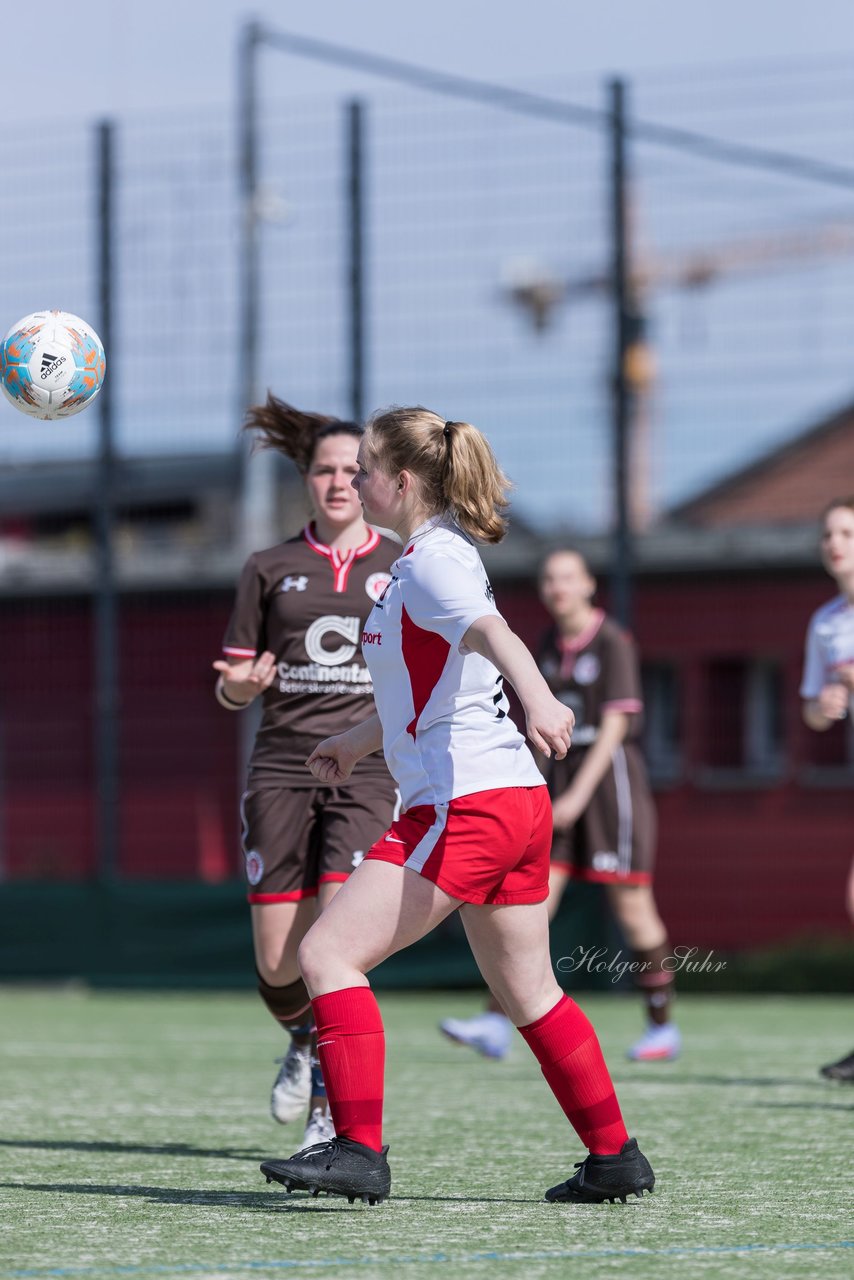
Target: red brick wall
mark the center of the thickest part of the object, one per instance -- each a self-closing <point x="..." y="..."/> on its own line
<point x="737" y="867"/>
<point x="178" y="748"/>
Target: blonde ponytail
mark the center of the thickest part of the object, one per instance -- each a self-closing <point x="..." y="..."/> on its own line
<point x="453" y="463"/>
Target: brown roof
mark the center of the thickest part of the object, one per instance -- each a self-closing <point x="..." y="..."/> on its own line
<point x="790" y="485"/>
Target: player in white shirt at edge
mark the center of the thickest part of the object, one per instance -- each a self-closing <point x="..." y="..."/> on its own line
<point x="828" y="682"/>
<point x="475" y="833"/>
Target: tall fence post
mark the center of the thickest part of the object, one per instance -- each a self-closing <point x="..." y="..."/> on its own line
<point x="257" y="472"/>
<point x="356" y="241"/>
<point x="621" y="404"/>
<point x="106" y="638"/>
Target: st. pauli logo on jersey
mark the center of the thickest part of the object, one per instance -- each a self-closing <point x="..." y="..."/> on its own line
<point x="376" y="585"/>
<point x="587" y="668"/>
<point x="254" y="866"/>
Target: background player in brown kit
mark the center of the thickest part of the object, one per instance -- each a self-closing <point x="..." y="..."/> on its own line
<point x="294" y="639"/>
<point x="828" y="680"/>
<point x="602" y="809"/>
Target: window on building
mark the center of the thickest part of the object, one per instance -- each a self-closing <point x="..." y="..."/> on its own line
<point x="744" y="716"/>
<point x="661" y="722"/>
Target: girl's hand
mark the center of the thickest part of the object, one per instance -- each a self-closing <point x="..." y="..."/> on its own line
<point x="243" y="681"/>
<point x="833" y="701"/>
<point x="332" y="760"/>
<point x="550" y="726"/>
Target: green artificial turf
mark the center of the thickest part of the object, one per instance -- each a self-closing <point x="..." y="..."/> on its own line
<point x="131" y="1127"/>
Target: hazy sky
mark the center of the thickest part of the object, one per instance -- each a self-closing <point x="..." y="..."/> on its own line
<point x="123" y="55"/>
<point x="742" y="366"/>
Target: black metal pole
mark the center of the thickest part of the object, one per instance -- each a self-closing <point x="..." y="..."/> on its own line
<point x="356" y="274"/>
<point x="621" y="571"/>
<point x="250" y="38"/>
<point x="106" y="639"/>
<point x="257" y="474"/>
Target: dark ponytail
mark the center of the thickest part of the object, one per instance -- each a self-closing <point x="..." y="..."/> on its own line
<point x="293" y="432"/>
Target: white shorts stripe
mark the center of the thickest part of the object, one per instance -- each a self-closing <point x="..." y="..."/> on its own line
<point x="624" y="812"/>
<point x="428" y="841"/>
<point x="244" y="823"/>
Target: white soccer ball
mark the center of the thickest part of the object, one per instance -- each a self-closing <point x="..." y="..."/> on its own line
<point x="52" y="364"/>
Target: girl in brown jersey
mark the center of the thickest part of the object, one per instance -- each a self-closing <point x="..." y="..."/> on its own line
<point x="827" y="687"/>
<point x="293" y="640"/>
<point x="602" y="809"/>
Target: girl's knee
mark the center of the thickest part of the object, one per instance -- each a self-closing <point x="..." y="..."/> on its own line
<point x="310" y="958"/>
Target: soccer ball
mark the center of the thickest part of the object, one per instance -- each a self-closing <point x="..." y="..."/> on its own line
<point x="52" y="364"/>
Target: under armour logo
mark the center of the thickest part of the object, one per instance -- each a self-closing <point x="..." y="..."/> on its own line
<point x="300" y="582"/>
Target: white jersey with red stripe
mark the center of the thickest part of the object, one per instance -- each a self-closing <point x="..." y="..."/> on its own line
<point x="830" y="645"/>
<point x="443" y="710"/>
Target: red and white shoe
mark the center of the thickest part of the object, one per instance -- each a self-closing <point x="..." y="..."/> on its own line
<point x="657" y="1044"/>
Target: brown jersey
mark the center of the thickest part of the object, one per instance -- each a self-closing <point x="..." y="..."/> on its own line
<point x="613" y="841"/>
<point x="593" y="672"/>
<point x="307" y="603"/>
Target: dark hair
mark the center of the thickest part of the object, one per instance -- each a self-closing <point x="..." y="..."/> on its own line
<point x="838" y="502"/>
<point x="294" y="432"/>
<point x="564" y="551"/>
<point x="453" y="462"/>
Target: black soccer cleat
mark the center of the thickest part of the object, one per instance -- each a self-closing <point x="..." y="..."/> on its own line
<point x="341" y="1167"/>
<point x="841" y="1070"/>
<point x="601" y="1178"/>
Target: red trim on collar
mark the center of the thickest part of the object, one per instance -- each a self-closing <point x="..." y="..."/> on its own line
<point x="576" y="643"/>
<point x="341" y="564"/>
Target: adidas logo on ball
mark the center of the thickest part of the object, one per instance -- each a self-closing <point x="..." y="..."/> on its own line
<point x="50" y="364"/>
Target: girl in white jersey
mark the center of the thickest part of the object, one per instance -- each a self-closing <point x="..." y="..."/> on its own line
<point x="828" y="682"/>
<point x="476" y="830"/>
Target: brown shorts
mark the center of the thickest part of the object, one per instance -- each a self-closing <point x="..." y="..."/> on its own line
<point x="613" y="842"/>
<point x="295" y="840"/>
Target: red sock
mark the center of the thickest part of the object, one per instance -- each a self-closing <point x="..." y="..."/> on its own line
<point x="351" y="1048"/>
<point x="565" y="1045"/>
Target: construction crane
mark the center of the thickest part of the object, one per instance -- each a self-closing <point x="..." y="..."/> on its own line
<point x="532" y="288"/>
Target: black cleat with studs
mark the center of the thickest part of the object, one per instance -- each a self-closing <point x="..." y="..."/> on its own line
<point x="340" y="1168"/>
<point x="611" y="1178"/>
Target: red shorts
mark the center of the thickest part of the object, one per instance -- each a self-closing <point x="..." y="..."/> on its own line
<point x="488" y="847"/>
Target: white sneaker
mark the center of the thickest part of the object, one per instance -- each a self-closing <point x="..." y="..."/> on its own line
<point x="657" y="1044"/>
<point x="319" y="1128"/>
<point x="488" y="1033"/>
<point x="292" y="1088"/>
